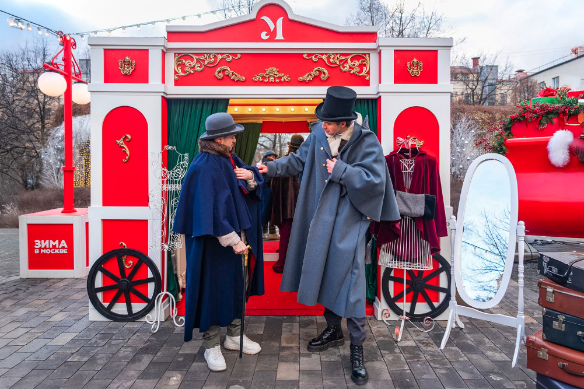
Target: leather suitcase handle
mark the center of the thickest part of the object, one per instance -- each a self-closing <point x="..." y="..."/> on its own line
<point x="562" y="278"/>
<point x="564" y="367"/>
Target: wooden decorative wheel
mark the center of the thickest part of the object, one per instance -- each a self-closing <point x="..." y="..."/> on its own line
<point x="419" y="284"/>
<point x="124" y="272"/>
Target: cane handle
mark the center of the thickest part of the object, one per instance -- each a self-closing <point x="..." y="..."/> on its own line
<point x="246" y="255"/>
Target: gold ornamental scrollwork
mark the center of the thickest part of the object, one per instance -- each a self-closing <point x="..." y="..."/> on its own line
<point x="185" y="64"/>
<point x="415" y="67"/>
<point x="126" y="66"/>
<point x="314" y="73"/>
<point x="124" y="147"/>
<point x="229" y="73"/>
<point x="357" y="64"/>
<point x="127" y="264"/>
<point x="271" y="75"/>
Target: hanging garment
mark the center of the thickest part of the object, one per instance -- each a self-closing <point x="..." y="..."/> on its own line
<point x="425" y="179"/>
<point x="213" y="203"/>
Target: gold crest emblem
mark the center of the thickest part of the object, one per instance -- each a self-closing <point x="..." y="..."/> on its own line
<point x="126" y="66"/>
<point x="415" y="68"/>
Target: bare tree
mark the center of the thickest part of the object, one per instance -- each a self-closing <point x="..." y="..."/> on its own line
<point x="525" y="89"/>
<point x="483" y="82"/>
<point x="463" y="134"/>
<point x="487" y="241"/>
<point x="24" y="112"/>
<point x="399" y="19"/>
<point x="228" y="8"/>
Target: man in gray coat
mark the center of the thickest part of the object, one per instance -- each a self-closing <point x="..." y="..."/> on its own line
<point x="345" y="185"/>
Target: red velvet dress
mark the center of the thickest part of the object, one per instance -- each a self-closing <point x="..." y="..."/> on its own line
<point x="425" y="179"/>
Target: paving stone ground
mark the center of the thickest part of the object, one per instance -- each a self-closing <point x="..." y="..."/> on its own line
<point x="47" y="341"/>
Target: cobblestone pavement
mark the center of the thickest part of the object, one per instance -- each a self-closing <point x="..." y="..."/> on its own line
<point x="9" y="261"/>
<point x="46" y="341"/>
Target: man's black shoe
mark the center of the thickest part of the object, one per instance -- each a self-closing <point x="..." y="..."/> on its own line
<point x="331" y="337"/>
<point x="358" y="371"/>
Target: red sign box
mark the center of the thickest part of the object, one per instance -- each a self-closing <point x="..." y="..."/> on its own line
<point x="429" y="73"/>
<point x="50" y="247"/>
<point x="111" y="66"/>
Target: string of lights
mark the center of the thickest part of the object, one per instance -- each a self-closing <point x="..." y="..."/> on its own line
<point x="25" y="24"/>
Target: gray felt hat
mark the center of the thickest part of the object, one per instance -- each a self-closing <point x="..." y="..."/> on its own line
<point x="220" y="124"/>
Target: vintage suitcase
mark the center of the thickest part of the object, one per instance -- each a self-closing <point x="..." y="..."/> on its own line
<point x="560" y="298"/>
<point x="566" y="269"/>
<point x="555" y="361"/>
<point x="563" y="329"/>
<point x="545" y="382"/>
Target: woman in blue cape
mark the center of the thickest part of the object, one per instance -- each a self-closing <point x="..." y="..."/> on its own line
<point x="219" y="214"/>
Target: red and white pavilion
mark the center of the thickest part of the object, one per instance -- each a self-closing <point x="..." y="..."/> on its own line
<point x="266" y="56"/>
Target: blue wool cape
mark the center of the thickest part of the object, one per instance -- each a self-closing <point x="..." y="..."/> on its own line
<point x="213" y="203"/>
<point x="325" y="262"/>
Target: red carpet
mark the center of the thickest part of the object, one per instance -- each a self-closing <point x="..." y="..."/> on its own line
<point x="275" y="302"/>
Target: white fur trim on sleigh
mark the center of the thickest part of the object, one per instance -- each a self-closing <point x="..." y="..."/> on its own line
<point x="559" y="148"/>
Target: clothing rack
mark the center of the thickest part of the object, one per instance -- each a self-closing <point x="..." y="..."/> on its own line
<point x="410" y="251"/>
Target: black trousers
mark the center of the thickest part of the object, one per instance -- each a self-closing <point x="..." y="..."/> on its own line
<point x="355" y="325"/>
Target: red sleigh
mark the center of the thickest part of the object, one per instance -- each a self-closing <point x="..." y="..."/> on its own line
<point x="551" y="199"/>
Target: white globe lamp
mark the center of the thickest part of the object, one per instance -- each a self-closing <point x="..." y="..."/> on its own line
<point x="52" y="84"/>
<point x="80" y="93"/>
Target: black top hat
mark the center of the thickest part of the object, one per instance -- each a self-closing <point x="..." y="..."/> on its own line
<point x="338" y="105"/>
<point x="220" y="124"/>
<point x="296" y="141"/>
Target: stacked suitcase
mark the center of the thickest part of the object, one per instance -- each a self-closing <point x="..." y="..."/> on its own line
<point x="556" y="353"/>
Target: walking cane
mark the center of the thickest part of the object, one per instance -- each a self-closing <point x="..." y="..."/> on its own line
<point x="245" y="264"/>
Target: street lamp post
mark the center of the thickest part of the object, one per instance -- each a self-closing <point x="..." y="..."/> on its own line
<point x="52" y="86"/>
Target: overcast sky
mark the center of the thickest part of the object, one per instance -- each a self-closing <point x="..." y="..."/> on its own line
<point x="530" y="33"/>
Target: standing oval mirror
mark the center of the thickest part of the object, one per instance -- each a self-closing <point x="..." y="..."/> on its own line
<point x="487" y="217"/>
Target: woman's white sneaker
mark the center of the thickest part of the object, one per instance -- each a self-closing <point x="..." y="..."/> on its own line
<point x="249" y="346"/>
<point x="215" y="359"/>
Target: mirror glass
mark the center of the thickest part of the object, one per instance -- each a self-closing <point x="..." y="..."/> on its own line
<point x="485" y="237"/>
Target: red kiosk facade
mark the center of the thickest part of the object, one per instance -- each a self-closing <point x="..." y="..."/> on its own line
<point x="269" y="54"/>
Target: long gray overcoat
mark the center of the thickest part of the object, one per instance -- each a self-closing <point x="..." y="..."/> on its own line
<point x="325" y="262"/>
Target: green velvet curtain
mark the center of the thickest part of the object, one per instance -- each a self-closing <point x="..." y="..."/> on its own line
<point x="247" y="142"/>
<point x="368" y="107"/>
<point x="186" y="123"/>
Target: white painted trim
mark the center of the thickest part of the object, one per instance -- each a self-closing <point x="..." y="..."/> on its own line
<point x="129" y="88"/>
<point x="253" y="15"/>
<point x="154" y="66"/>
<point x="504" y="284"/>
<point x="238" y="46"/>
<point x="23" y="245"/>
<point x="416" y="43"/>
<point x="120" y="213"/>
<point x="126" y="42"/>
<point x="259" y="91"/>
<point x="444" y="66"/>
<point x="97" y="66"/>
<point x="415" y="88"/>
<point x="387" y="66"/>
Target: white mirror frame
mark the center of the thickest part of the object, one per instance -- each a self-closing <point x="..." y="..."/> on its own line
<point x="516" y="236"/>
